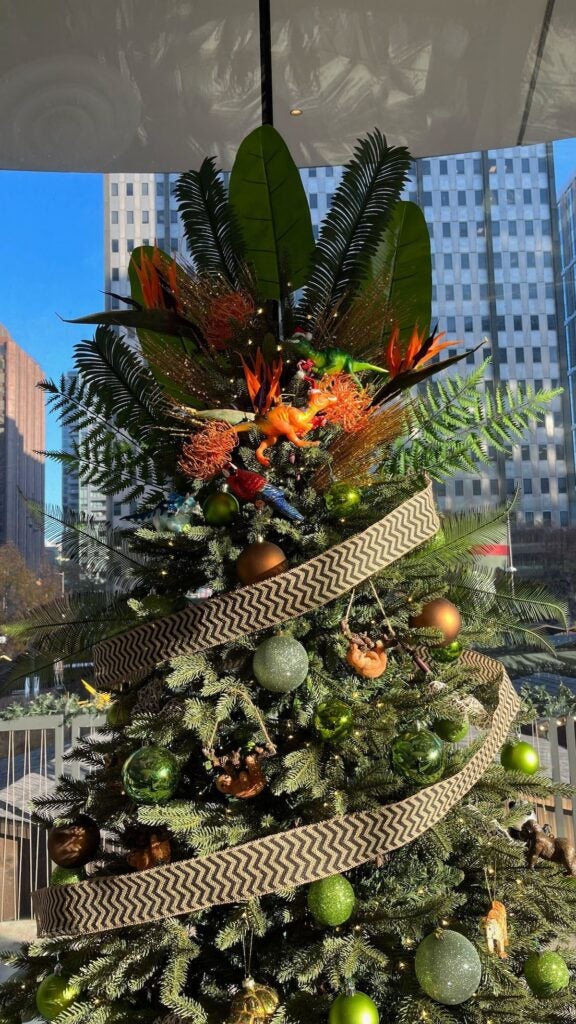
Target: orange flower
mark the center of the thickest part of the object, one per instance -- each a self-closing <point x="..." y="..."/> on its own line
<point x="421" y="349"/>
<point x="208" y="451"/>
<point x="226" y="314"/>
<point x="158" y="280"/>
<point x="351" y="409"/>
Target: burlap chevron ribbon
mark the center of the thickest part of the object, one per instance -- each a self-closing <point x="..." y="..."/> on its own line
<point x="134" y="654"/>
<point x="275" y="862"/>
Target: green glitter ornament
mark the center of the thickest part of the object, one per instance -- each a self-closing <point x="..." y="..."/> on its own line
<point x="280" y="664"/>
<point x="220" y="508"/>
<point x="449" y="653"/>
<point x="333" y="720"/>
<point x="353" y="1009"/>
<point x="418" y="755"/>
<point x="150" y="775"/>
<point x="67" y="876"/>
<point x="448" y="967"/>
<point x="54" y="995"/>
<point x="450" y="729"/>
<point x="342" y="500"/>
<point x="331" y="900"/>
<point x="519" y="757"/>
<point x="546" y="974"/>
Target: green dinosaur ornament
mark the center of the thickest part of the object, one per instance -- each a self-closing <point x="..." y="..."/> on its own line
<point x="330" y="360"/>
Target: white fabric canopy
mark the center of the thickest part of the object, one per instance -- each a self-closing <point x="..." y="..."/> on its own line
<point x="155" y="85"/>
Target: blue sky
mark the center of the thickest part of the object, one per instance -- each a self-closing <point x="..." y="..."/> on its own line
<point x="51" y="262"/>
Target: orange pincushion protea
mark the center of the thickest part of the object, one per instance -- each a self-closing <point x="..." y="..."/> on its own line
<point x="421" y="349"/>
<point x="208" y="451"/>
<point x="352" y="406"/>
<point x="226" y="314"/>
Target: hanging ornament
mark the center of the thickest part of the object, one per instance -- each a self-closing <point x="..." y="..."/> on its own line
<point x="367" y="658"/>
<point x="353" y="1009"/>
<point x="54" y="995"/>
<point x="342" y="500"/>
<point x="451" y="729"/>
<point x="260" y="561"/>
<point x="541" y="843"/>
<point x="240" y="774"/>
<point x="253" y="486"/>
<point x="418" y="755"/>
<point x="67" y="876"/>
<point x="173" y="514"/>
<point x="220" y="508"/>
<point x="331" y="901"/>
<point x="157" y="851"/>
<point x="449" y="653"/>
<point x="280" y="664"/>
<point x="546" y="974"/>
<point x="151" y="775"/>
<point x="74" y="845"/>
<point x="119" y="714"/>
<point x="333" y="720"/>
<point x="495" y="926"/>
<point x="439" y="614"/>
<point x="448" y="967"/>
<point x="519" y="756"/>
<point x="253" y="1004"/>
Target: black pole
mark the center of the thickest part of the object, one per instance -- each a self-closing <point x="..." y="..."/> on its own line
<point x="266" y="62"/>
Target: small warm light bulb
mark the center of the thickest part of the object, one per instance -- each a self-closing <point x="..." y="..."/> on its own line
<point x="296" y="111"/>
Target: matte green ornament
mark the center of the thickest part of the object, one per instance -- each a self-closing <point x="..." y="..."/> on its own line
<point x="450" y="729"/>
<point x="333" y="720"/>
<point x="331" y="900"/>
<point x="519" y="757"/>
<point x="67" y="876"/>
<point x="342" y="500"/>
<point x="220" y="508"/>
<point x="150" y="775"/>
<point x="280" y="664"/>
<point x="353" y="1009"/>
<point x="448" y="967"/>
<point x="449" y="653"/>
<point x="54" y="995"/>
<point x="546" y="974"/>
<point x="418" y="755"/>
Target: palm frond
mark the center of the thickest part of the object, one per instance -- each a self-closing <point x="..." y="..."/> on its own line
<point x="212" y="234"/>
<point x="71" y="623"/>
<point x="523" y="600"/>
<point x="361" y="207"/>
<point x="460" y="533"/>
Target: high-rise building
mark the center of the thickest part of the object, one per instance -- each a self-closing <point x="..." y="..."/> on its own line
<point x="493" y="225"/>
<point x="77" y="496"/>
<point x="567" y="220"/>
<point x="21" y="439"/>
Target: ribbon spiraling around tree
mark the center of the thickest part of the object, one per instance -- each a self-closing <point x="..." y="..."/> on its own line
<point x="301" y="855"/>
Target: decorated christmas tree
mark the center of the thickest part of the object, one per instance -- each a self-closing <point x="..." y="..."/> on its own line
<point x="314" y="796"/>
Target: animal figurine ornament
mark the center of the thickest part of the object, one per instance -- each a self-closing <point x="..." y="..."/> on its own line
<point x="495" y="925"/>
<point x="541" y="843"/>
<point x="250" y="486"/>
<point x="328" y="360"/>
<point x="157" y="852"/>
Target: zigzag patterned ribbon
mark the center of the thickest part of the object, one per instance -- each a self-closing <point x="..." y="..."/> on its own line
<point x="132" y="655"/>
<point x="275" y="862"/>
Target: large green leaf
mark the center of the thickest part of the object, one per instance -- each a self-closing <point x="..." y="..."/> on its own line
<point x="270" y="205"/>
<point x="403" y="263"/>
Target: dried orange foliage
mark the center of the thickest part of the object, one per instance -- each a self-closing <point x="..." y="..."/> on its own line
<point x="349" y="454"/>
<point x="208" y="451"/>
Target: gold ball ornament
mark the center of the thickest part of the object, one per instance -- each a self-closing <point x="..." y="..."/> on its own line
<point x="74" y="845"/>
<point x="439" y="614"/>
<point x="253" y="1004"/>
<point x="260" y="561"/>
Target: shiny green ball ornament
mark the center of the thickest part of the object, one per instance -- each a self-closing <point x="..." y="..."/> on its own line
<point x="342" y="500"/>
<point x="353" y="1009"/>
<point x="546" y="974"/>
<point x="280" y="664"/>
<point x="418" y="755"/>
<point x="448" y="967"/>
<point x="220" y="508"/>
<point x="150" y="775"/>
<point x="450" y="729"/>
<point x="67" y="876"/>
<point x="449" y="653"/>
<point x="331" y="900"/>
<point x="54" y="995"/>
<point x="519" y="757"/>
<point x="119" y="714"/>
<point x="333" y="720"/>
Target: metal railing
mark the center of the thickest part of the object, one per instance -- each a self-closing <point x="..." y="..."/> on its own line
<point x="31" y="760"/>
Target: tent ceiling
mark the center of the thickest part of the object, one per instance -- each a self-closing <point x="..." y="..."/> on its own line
<point x="154" y="85"/>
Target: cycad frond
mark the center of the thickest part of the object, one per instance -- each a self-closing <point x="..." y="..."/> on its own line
<point x="371" y="185"/>
<point x="213" y="237"/>
<point x="460" y="533"/>
<point x="521" y="600"/>
<point x="72" y="623"/>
